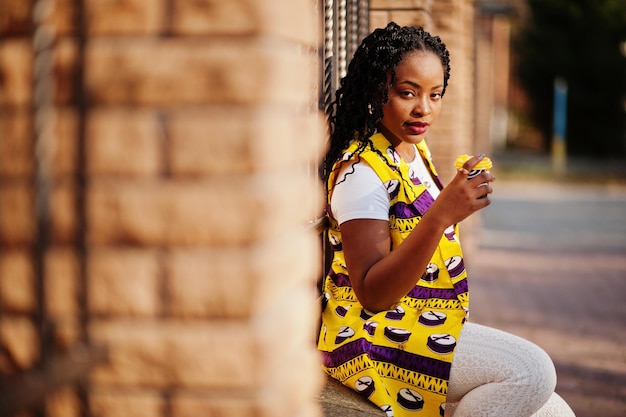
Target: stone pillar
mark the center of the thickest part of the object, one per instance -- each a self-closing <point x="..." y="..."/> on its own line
<point x="181" y="190"/>
<point x="403" y="12"/>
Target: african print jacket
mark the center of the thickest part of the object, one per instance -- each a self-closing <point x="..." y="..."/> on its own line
<point x="399" y="359"/>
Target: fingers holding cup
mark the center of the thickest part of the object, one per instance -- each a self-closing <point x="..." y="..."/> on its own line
<point x="475" y="166"/>
<point x="472" y="166"/>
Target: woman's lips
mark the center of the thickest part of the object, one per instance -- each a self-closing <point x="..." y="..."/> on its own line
<point x="417" y="128"/>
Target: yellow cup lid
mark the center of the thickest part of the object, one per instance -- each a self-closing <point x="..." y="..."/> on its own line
<point x="484" y="163"/>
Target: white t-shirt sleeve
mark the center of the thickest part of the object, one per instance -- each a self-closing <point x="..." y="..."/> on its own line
<point x="359" y="195"/>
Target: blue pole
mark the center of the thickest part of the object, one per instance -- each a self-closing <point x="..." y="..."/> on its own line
<point x="559" y="128"/>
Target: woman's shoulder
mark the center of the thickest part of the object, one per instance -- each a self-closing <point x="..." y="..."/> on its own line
<point x="376" y="151"/>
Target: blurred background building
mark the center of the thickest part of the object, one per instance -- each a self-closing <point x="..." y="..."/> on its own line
<point x="157" y="171"/>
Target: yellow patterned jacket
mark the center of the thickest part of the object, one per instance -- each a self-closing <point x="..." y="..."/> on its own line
<point x="399" y="359"/>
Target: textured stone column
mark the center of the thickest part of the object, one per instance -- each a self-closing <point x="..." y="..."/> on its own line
<point x="196" y="142"/>
<point x="201" y="273"/>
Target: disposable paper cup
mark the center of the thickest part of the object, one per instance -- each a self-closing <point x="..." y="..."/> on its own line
<point x="483" y="165"/>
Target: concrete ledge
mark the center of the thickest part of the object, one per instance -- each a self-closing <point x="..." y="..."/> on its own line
<point x="340" y="401"/>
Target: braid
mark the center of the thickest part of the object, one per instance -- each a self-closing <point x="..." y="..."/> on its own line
<point x="358" y="105"/>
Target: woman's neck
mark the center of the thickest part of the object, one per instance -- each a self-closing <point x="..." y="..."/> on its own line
<point x="407" y="151"/>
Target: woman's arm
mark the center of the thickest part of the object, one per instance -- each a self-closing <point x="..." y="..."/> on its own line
<point x="381" y="277"/>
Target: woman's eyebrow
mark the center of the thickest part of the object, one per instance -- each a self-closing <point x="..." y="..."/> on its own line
<point x="417" y="85"/>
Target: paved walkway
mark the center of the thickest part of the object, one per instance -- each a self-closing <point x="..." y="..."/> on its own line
<point x="550" y="265"/>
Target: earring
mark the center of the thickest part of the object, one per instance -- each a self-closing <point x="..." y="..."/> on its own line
<point x="369" y="108"/>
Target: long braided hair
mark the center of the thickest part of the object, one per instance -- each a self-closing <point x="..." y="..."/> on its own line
<point x="358" y="106"/>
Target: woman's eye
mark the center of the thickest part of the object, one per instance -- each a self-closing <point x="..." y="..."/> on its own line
<point x="435" y="96"/>
<point x="407" y="94"/>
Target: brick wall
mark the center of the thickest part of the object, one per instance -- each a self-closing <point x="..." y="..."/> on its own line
<point x="183" y="133"/>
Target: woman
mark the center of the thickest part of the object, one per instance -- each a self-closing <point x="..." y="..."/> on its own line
<point x="396" y="297"/>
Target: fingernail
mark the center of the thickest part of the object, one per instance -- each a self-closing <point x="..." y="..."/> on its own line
<point x="482" y="155"/>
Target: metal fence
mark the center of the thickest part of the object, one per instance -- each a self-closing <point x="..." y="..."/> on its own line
<point x="346" y="23"/>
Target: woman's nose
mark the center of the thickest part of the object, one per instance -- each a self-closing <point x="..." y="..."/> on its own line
<point x="421" y="107"/>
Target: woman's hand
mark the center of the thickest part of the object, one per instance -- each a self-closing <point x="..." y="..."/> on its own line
<point x="380" y="277"/>
<point x="463" y="196"/>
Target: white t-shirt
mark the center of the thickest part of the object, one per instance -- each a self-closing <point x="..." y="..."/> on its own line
<point x="360" y="194"/>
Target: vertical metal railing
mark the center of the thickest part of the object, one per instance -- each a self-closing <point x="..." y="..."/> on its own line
<point x="328" y="55"/>
<point x="346" y="23"/>
<point x="341" y="22"/>
<point x="81" y="106"/>
<point x="28" y="389"/>
<point x="352" y="28"/>
<point x="44" y="144"/>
